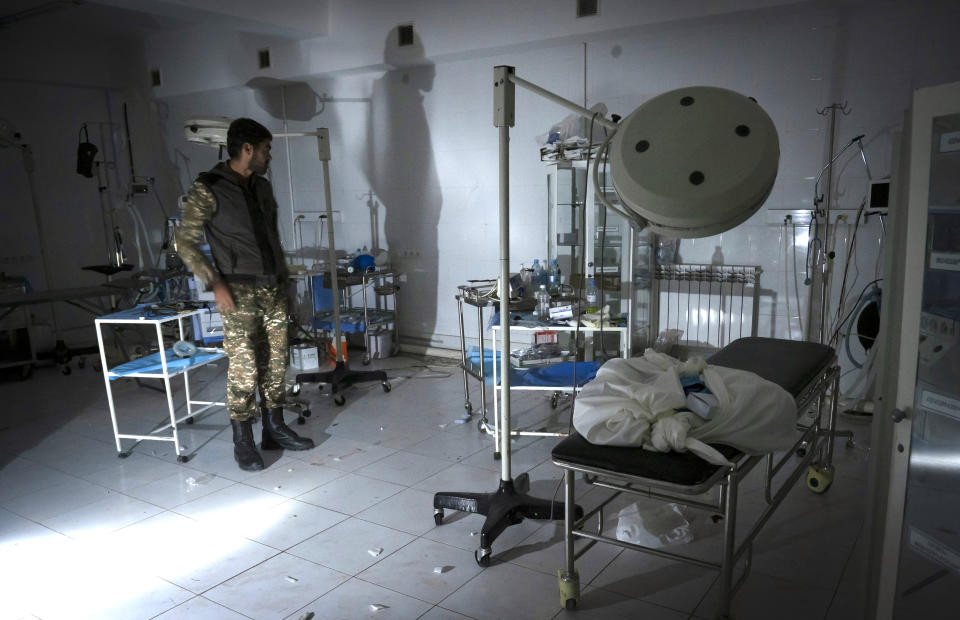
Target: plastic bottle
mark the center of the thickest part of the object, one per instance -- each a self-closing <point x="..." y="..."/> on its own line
<point x="537" y="273"/>
<point x="553" y="278"/>
<point x="543" y="303"/>
<point x="593" y="298"/>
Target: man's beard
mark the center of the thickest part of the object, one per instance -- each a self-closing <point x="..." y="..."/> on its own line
<point x="259" y="167"/>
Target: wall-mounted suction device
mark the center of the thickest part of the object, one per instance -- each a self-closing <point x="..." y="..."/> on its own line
<point x="208" y="130"/>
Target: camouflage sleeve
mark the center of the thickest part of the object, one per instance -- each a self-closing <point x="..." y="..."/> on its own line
<point x="199" y="208"/>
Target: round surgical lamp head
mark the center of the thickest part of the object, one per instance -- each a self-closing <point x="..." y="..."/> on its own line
<point x="695" y="161"/>
<point x="207" y="130"/>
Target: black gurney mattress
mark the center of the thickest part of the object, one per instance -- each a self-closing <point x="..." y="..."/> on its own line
<point x="790" y="364"/>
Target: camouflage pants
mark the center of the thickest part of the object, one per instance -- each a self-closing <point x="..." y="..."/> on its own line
<point x="255" y="340"/>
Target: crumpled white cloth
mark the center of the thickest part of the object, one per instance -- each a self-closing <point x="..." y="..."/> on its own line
<point x="637" y="402"/>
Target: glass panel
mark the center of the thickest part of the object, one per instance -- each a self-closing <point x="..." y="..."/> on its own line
<point x="929" y="575"/>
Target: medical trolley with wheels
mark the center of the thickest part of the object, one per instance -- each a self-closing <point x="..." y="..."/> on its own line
<point x="164" y="364"/>
<point x="807" y="371"/>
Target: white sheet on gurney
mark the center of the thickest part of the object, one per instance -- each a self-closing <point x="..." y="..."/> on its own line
<point x="635" y="402"/>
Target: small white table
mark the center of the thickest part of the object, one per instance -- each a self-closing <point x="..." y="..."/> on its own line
<point x="161" y="365"/>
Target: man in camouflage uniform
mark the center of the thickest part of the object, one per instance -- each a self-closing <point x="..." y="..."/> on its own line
<point x="234" y="207"/>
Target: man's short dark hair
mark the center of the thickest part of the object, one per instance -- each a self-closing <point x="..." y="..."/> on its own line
<point x="243" y="131"/>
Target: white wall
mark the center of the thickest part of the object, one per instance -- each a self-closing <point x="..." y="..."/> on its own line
<point x="424" y="144"/>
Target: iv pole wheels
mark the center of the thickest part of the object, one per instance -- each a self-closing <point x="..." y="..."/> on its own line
<point x="339" y="400"/>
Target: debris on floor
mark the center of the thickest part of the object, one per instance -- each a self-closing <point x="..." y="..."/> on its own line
<point x="655" y="527"/>
<point x="292" y="579"/>
<point x="375" y="552"/>
<point x="378" y="607"/>
<point x="439" y="570"/>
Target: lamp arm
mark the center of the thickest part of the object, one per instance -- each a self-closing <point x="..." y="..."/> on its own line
<point x="546" y="94"/>
<point x="598" y="191"/>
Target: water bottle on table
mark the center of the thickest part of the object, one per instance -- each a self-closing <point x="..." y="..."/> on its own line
<point x="543" y="303"/>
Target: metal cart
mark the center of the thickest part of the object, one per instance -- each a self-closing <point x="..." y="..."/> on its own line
<point x="164" y="364"/>
<point x="478" y="295"/>
<point x="369" y="317"/>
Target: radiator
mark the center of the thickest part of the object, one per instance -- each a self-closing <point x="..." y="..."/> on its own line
<point x="707" y="306"/>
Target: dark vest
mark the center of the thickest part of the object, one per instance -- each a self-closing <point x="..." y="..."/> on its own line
<point x="242" y="233"/>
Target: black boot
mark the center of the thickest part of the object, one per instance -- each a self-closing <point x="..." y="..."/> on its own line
<point x="244" y="450"/>
<point x="278" y="435"/>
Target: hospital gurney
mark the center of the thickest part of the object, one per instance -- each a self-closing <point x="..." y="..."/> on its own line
<point x="805" y="370"/>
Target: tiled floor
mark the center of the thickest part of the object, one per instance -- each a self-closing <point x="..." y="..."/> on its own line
<point x="346" y="530"/>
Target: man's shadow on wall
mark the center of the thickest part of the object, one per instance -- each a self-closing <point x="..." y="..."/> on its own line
<point x="402" y="173"/>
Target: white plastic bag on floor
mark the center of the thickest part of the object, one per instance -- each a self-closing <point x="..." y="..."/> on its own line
<point x="657" y="526"/>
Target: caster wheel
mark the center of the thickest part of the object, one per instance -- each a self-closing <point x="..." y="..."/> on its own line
<point x="301" y="420"/>
<point x="189" y="420"/>
<point x="554" y="400"/>
<point x="306" y="413"/>
<point x="82" y="363"/>
<point x="123" y="455"/>
<point x="522" y="483"/>
<point x="65" y="370"/>
<point x="851" y="443"/>
<point x="386" y="386"/>
<point x="339" y="400"/>
<point x="97" y="367"/>
<point x="438" y="515"/>
<point x="365" y="361"/>
<point x="819" y="478"/>
<point x="801" y="450"/>
<point x="482" y="556"/>
<point x="183" y="458"/>
<point x="468" y="408"/>
<point x="569" y="588"/>
<point x="496" y="456"/>
<point x="481" y="427"/>
<point x="295" y="389"/>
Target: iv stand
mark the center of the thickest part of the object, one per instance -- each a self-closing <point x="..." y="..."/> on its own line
<point x="341" y="376"/>
<point x="509" y="504"/>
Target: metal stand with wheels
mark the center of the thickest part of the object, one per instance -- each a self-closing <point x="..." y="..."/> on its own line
<point x="161" y="365"/>
<point x="341" y="376"/>
<point x="509" y="504"/>
<point x="472" y="296"/>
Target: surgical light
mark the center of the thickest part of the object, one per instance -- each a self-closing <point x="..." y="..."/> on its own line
<point x="207" y="130"/>
<point x="696" y="161"/>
